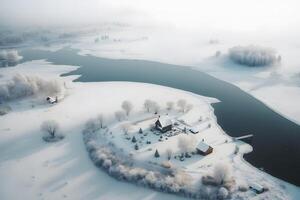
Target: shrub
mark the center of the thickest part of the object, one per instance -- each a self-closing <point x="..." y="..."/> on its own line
<point x="223" y="193"/>
<point x="51" y="128"/>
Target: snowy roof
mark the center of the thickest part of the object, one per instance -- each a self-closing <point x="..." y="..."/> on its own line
<point x="165" y="121"/>
<point x="257" y="187"/>
<point x="195" y="129"/>
<point x="50" y="99"/>
<point x="202" y="146"/>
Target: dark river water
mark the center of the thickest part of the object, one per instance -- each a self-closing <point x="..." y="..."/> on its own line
<point x="276" y="140"/>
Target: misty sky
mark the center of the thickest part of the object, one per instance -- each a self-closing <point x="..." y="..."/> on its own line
<point x="249" y="15"/>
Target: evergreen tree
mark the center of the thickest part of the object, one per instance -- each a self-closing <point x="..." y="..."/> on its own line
<point x="136" y="147"/>
<point x="140" y="131"/>
<point x="156" y="155"/>
<point x="133" y="139"/>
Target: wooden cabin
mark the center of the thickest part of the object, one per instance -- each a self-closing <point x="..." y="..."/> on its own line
<point x="204" y="149"/>
<point x="52" y="100"/>
<point x="163" y="124"/>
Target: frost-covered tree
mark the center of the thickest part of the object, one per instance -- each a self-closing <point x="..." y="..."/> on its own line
<point x="127" y="107"/>
<point x="169" y="153"/>
<point x="100" y="120"/>
<point x="22" y="86"/>
<point x="170" y="105"/>
<point x="147" y="105"/>
<point x="221" y="173"/>
<point x="11" y="56"/>
<point x="252" y="55"/>
<point x="50" y="127"/>
<point x="181" y="103"/>
<point x="151" y="106"/>
<point x="186" y="143"/>
<point x="120" y="115"/>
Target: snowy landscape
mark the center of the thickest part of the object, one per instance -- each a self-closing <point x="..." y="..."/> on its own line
<point x="75" y="124"/>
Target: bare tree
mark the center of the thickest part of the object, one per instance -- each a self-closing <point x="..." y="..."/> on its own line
<point x="169" y="153"/>
<point x="127" y="107"/>
<point x="100" y="120"/>
<point x="181" y="103"/>
<point x="148" y="104"/>
<point x="126" y="128"/>
<point x="170" y="105"/>
<point x="50" y="126"/>
<point x="119" y="115"/>
<point x="186" y="143"/>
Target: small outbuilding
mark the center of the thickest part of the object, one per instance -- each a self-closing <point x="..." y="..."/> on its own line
<point x="52" y="100"/>
<point x="163" y="124"/>
<point x="204" y="149"/>
<point x="258" y="189"/>
<point x="194" y="130"/>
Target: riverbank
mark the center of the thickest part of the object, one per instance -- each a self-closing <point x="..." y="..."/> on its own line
<point x="22" y="145"/>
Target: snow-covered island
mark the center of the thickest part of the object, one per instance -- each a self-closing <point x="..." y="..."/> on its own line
<point x="146" y="137"/>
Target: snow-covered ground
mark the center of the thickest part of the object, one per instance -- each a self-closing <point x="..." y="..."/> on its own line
<point x="33" y="169"/>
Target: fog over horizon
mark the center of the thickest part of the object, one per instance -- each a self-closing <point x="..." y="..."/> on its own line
<point x="230" y="15"/>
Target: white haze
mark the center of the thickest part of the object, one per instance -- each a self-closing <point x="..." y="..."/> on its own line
<point x="271" y="15"/>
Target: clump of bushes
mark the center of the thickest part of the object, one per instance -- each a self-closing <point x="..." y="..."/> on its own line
<point x="9" y="57"/>
<point x="253" y="56"/>
<point x="107" y="157"/>
<point x="220" y="176"/>
<point x="22" y="86"/>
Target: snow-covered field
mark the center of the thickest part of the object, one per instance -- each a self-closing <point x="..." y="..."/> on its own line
<point x="33" y="169"/>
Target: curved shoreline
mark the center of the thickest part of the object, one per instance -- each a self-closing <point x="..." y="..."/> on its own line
<point x="245" y="121"/>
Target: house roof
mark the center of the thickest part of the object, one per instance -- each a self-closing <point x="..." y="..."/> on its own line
<point x="165" y="121"/>
<point x="257" y="187"/>
<point x="195" y="129"/>
<point x="202" y="146"/>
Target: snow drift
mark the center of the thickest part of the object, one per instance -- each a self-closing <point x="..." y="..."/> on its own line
<point x="253" y="56"/>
